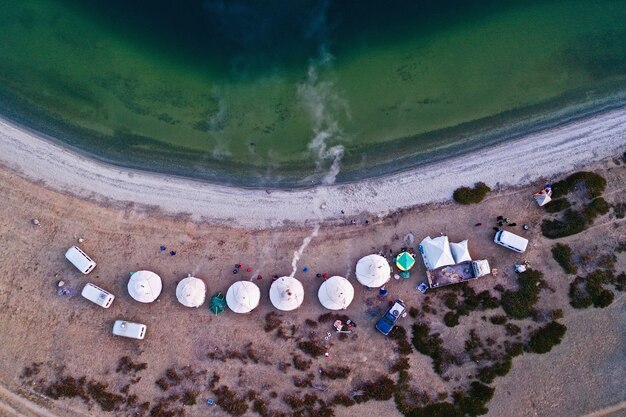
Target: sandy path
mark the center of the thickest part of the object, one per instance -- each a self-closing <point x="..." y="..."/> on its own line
<point x="519" y="162"/>
<point x="13" y="405"/>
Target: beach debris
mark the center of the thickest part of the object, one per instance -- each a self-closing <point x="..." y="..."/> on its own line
<point x="210" y="401"/>
<point x="81" y="240"/>
<point x="162" y="248"/>
<point x="320" y="387"/>
<point x="235" y="270"/>
<point x="36" y="222"/>
<point x="305" y="269"/>
<point x="526" y="227"/>
<point x="324" y="275"/>
<point x="323" y="206"/>
<point x="173" y="253"/>
<point x="396" y="276"/>
<point x="249" y="270"/>
<point x="60" y="283"/>
<point x="409" y="239"/>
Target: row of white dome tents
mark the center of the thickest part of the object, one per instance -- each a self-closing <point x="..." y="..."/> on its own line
<point x="146" y="286"/>
<point x="286" y="293"/>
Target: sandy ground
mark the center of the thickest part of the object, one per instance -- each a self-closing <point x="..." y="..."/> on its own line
<point x="582" y="375"/>
<point x="518" y="162"/>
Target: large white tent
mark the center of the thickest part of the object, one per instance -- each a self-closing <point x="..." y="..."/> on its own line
<point x="373" y="271"/>
<point x="243" y="296"/>
<point x="144" y="286"/>
<point x="460" y="252"/>
<point x="336" y="293"/>
<point x="286" y="293"/>
<point x="191" y="292"/>
<point x="436" y="252"/>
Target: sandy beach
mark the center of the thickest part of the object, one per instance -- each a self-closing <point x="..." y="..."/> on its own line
<point x="517" y="162"/>
<point x="125" y="216"/>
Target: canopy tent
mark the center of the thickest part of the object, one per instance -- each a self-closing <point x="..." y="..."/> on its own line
<point x="243" y="296"/>
<point x="373" y="271"/>
<point x="144" y="286"/>
<point x="405" y="261"/>
<point x="336" y="293"/>
<point x="460" y="252"/>
<point x="191" y="292"/>
<point x="217" y="303"/>
<point x="436" y="252"/>
<point x="286" y="293"/>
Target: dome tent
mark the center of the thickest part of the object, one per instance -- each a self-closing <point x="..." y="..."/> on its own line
<point x="286" y="293"/>
<point x="191" y="292"/>
<point x="373" y="271"/>
<point x="243" y="296"/>
<point x="144" y="286"/>
<point x="336" y="293"/>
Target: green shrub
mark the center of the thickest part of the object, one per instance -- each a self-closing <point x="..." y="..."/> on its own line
<point x="563" y="255"/>
<point x="558" y="204"/>
<point x="430" y="345"/>
<point x="620" y="282"/>
<point x="590" y="290"/>
<point x="597" y="207"/>
<point x="512" y="329"/>
<point x="500" y="368"/>
<point x="519" y="304"/>
<point x="594" y="183"/>
<point x="473" y="403"/>
<point x="398" y="333"/>
<point x="497" y="319"/>
<point x="467" y="195"/>
<point x="573" y="222"/>
<point x="311" y="348"/>
<point x="579" y="297"/>
<point x="451" y="319"/>
<point x="381" y="389"/>
<point x="620" y="210"/>
<point x="543" y="339"/>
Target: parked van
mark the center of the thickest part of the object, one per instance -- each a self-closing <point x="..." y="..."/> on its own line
<point x="80" y="259"/>
<point x="129" y="329"/>
<point x="511" y="241"/>
<point x="97" y="295"/>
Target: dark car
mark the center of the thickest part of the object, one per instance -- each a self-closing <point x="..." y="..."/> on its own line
<point x="386" y="323"/>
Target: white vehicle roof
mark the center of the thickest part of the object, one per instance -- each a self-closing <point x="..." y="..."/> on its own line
<point x="80" y="259"/>
<point x="511" y="239"/>
<point x="97" y="295"/>
<point x="129" y="329"/>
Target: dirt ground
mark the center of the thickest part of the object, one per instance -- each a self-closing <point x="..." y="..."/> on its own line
<point x="70" y="335"/>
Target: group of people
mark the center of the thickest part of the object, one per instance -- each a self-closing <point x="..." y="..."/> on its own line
<point x="502" y="221"/>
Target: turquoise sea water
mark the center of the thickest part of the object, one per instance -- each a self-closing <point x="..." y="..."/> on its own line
<point x="276" y="94"/>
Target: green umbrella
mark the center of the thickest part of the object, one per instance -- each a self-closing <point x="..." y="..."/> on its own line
<point x="218" y="304"/>
<point x="405" y="261"/>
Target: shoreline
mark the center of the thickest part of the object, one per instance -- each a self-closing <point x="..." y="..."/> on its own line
<point x="553" y="151"/>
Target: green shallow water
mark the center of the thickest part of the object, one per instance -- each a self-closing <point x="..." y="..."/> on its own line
<point x="236" y="105"/>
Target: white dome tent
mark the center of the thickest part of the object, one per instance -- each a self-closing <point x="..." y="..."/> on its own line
<point x="460" y="252"/>
<point x="373" y="271"/>
<point x="144" y="286"/>
<point x="436" y="252"/>
<point x="243" y="296"/>
<point x="336" y="293"/>
<point x="286" y="293"/>
<point x="191" y="292"/>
